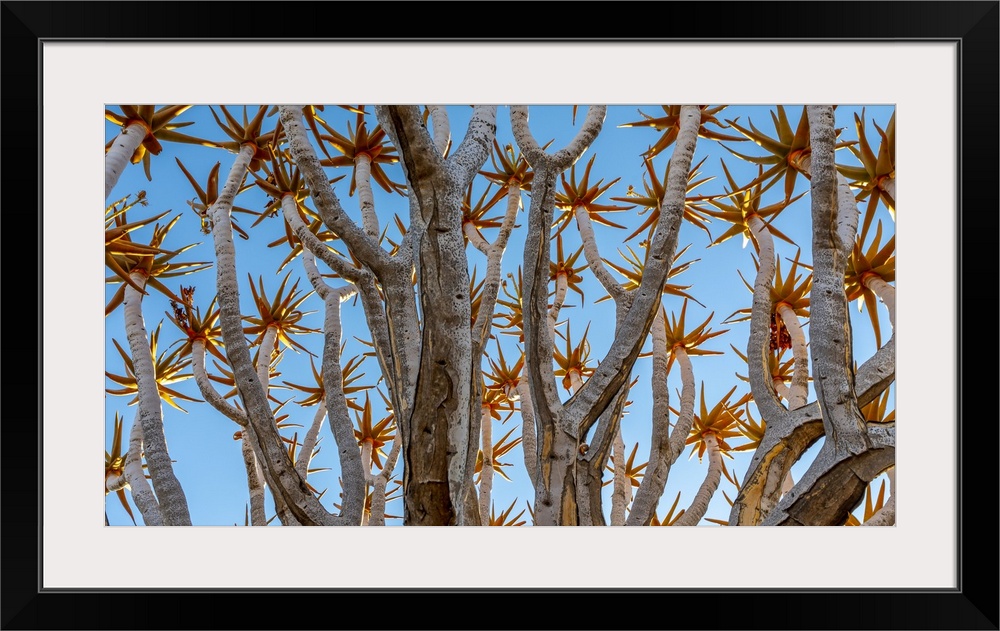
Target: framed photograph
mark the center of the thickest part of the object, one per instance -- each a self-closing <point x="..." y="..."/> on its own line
<point x="931" y="65"/>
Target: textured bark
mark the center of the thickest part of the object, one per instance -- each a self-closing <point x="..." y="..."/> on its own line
<point x="621" y="493"/>
<point x="668" y="444"/>
<point x="558" y="298"/>
<point x="562" y="429"/>
<point x="309" y="441"/>
<point x="483" y="325"/>
<point x="886" y="292"/>
<point x="889" y="186"/>
<point x="486" y="475"/>
<point x="558" y="446"/>
<point x="254" y="482"/>
<point x="362" y="178"/>
<point x="614" y="369"/>
<point x="208" y="391"/>
<point x="288" y="486"/>
<point x="789" y="435"/>
<point x="364" y="247"/>
<point x="830" y="323"/>
<point x="852" y="453"/>
<point x="418" y="309"/>
<point x="699" y="506"/>
<point x="142" y="495"/>
<point x="886" y="516"/>
<point x="268" y="344"/>
<point x="335" y="402"/>
<point x="442" y="388"/>
<point x="440" y="126"/>
<point x="593" y="462"/>
<point x="660" y="458"/>
<point x="592" y="254"/>
<point x="529" y="442"/>
<point x="379" y="482"/>
<point x="438" y="433"/>
<point x="169" y="494"/>
<point x="390" y="310"/>
<point x="800" y="373"/>
<point x="758" y="344"/>
<point x="120" y="154"/>
<point x="836" y="481"/>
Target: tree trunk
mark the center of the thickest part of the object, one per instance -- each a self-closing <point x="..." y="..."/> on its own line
<point x="120" y="154"/>
<point x="169" y="494"/>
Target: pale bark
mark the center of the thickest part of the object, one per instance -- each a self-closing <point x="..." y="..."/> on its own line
<point x="834" y="227"/>
<point x="255" y="472"/>
<point x="475" y="238"/>
<point x="491" y="282"/>
<point x="396" y="338"/>
<point x="142" y="495"/>
<point x="685" y="419"/>
<point x="889" y="186"/>
<point x="885" y="516"/>
<point x="436" y="483"/>
<point x="120" y="154"/>
<point x="255" y="482"/>
<point x="440" y="126"/>
<point x="758" y="346"/>
<point x="835" y="481"/>
<point x="790" y="433"/>
<point x="800" y="368"/>
<point x="614" y="370"/>
<point x="557" y="301"/>
<point x="669" y="445"/>
<point x="208" y="391"/>
<point x="289" y="488"/>
<point x="621" y="487"/>
<point x="486" y="474"/>
<point x="173" y="503"/>
<point x="529" y="444"/>
<point x="780" y="388"/>
<point x="555" y="495"/>
<point x="115" y="482"/>
<point x="886" y="293"/>
<point x="853" y="452"/>
<point x="761" y="488"/>
<point x="699" y="506"/>
<point x="268" y="344"/>
<point x="562" y="428"/>
<point x="431" y="364"/>
<point x="788" y="483"/>
<point x="592" y="464"/>
<point x="584" y="513"/>
<point x="377" y="517"/>
<point x="310" y="439"/>
<point x="363" y="181"/>
<point x="367" y="447"/>
<point x="352" y="466"/>
<point x="314" y="247"/>
<point x="336" y="402"/>
<point x="445" y="397"/>
<point x="653" y="482"/>
<point x="362" y="245"/>
<point x="593" y="256"/>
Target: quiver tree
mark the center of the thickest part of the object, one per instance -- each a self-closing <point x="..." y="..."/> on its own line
<point x="419" y="270"/>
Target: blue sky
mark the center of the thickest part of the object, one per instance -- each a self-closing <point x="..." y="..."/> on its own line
<point x="208" y="460"/>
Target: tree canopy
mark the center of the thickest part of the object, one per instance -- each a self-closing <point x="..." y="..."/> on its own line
<point x="349" y="314"/>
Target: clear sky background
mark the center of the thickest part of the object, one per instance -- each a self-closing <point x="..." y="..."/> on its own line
<point x="208" y="461"/>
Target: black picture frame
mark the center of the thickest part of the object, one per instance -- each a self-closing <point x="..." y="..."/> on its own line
<point x="972" y="605"/>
